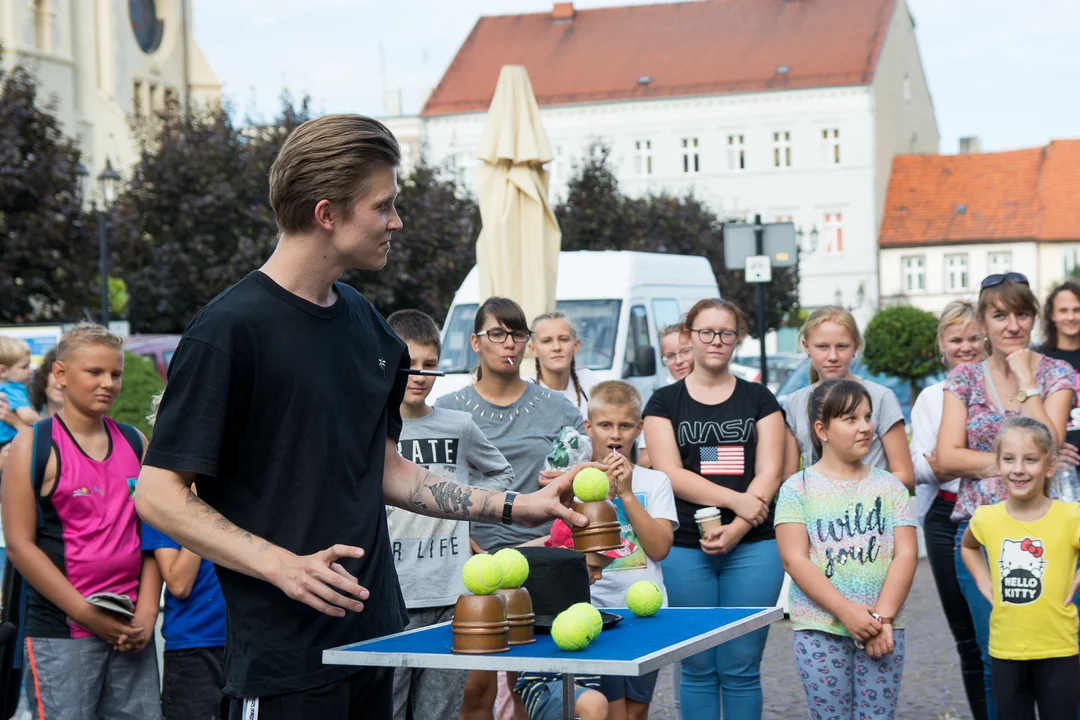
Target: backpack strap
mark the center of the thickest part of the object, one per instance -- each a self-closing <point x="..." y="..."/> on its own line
<point x="39" y="460"/>
<point x="133" y="438"/>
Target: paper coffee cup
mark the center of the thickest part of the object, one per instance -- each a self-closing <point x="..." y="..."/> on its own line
<point x="708" y="519"/>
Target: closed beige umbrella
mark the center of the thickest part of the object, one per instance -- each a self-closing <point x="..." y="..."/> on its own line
<point x="517" y="253"/>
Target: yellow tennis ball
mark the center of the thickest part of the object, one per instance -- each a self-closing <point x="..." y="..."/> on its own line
<point x="571" y="631"/>
<point x="515" y="568"/>
<point x="596" y="622"/>
<point x="482" y="574"/>
<point x="644" y="598"/>
<point x="591" y="484"/>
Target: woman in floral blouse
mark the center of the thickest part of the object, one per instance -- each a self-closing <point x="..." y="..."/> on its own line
<point x="1013" y="381"/>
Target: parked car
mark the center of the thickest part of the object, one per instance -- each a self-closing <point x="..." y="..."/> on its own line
<point x="619" y="300"/>
<point x="800" y="378"/>
<point x="780" y="365"/>
<point x="158" y="348"/>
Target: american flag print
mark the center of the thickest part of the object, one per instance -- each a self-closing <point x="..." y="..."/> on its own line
<point x="722" y="460"/>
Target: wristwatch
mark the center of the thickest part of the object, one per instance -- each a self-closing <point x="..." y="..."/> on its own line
<point x="1023" y="395"/>
<point x="508" y="507"/>
<point x="881" y="618"/>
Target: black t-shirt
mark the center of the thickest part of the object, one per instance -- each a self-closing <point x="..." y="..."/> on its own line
<point x="282" y="408"/>
<point x="1072" y="357"/>
<point x="718" y="442"/>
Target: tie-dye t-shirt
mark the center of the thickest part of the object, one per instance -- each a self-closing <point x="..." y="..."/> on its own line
<point x="850" y="525"/>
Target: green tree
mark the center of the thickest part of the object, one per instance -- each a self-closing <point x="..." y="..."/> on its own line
<point x="48" y="256"/>
<point x="902" y="341"/>
<point x="596" y="216"/>
<point x="140" y="384"/>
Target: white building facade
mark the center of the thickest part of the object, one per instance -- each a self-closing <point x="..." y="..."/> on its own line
<point x="816" y="156"/>
<point x="107" y="65"/>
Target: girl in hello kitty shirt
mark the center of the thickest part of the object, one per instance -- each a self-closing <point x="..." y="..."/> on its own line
<point x="1028" y="573"/>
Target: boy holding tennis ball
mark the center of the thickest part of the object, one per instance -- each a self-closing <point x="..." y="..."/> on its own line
<point x="431" y="555"/>
<point x="646" y="508"/>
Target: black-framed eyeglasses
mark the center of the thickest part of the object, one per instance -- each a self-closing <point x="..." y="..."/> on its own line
<point x="498" y="336"/>
<point x="727" y="337"/>
<point x="669" y="358"/>
<point x="997" y="278"/>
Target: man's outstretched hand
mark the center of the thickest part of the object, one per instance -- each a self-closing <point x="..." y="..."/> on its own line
<point x="552" y="501"/>
<point x="319" y="581"/>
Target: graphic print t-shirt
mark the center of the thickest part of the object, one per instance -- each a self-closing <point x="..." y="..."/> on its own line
<point x="653" y="490"/>
<point x="718" y="442"/>
<point x="428" y="552"/>
<point x="1031" y="570"/>
<point x="850" y="524"/>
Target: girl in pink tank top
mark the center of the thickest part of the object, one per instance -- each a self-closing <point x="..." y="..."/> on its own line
<point x="76" y="535"/>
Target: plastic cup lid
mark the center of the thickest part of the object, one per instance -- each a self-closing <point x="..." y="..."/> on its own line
<point x="706" y="512"/>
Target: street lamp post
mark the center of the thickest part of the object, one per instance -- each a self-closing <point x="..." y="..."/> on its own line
<point x="108" y="184"/>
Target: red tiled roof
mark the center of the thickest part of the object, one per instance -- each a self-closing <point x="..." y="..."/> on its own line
<point x="685" y="48"/>
<point x="984" y="197"/>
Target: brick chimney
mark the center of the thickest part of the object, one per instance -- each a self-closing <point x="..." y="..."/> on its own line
<point x="563" y="11"/>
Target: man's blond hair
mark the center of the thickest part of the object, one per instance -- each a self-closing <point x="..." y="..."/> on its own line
<point x="329" y="158"/>
<point x="85" y="335"/>
<point x="615" y="394"/>
<point x="12" y="350"/>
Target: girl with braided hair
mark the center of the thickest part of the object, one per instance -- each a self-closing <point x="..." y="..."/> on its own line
<point x="555" y="342"/>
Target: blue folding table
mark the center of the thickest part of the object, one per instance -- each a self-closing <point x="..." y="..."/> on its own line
<point x="635" y="646"/>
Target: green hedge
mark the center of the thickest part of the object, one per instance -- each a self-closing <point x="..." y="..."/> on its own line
<point x="141" y="384"/>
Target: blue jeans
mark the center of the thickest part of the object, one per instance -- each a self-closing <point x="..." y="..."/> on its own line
<point x="980" y="615"/>
<point x="748" y="576"/>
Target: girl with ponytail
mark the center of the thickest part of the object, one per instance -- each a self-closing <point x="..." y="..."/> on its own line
<point x="555" y="343"/>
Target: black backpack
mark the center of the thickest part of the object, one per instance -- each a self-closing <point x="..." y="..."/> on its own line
<point x="14" y="589"/>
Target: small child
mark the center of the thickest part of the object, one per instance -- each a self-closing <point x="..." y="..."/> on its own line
<point x="542" y="693"/>
<point x="83" y="660"/>
<point x="846" y="535"/>
<point x="429" y="553"/>
<point x="14" y="374"/>
<point x="646" y="507"/>
<point x="1030" y="579"/>
<point x="193" y="679"/>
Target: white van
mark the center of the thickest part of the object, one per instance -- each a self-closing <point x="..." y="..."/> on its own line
<point x="620" y="300"/>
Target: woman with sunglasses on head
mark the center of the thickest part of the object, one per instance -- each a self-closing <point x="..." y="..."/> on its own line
<point x="522" y="420"/>
<point x="961" y="341"/>
<point x="720" y="441"/>
<point x="1013" y="381"/>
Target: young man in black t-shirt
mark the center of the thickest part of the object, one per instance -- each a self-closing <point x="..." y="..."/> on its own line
<point x="283" y="405"/>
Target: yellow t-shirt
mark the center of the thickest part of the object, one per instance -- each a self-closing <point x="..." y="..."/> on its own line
<point x="1031" y="567"/>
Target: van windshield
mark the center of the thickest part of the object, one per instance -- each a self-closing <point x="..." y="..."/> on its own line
<point x="597" y="323"/>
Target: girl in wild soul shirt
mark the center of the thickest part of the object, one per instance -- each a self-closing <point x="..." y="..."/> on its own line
<point x="1012" y="382"/>
<point x="720" y="440"/>
<point x="847" y="538"/>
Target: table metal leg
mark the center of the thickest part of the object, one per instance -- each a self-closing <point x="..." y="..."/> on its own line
<point x="568" y="696"/>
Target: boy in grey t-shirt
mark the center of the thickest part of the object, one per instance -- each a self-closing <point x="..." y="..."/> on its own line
<point x="429" y="553"/>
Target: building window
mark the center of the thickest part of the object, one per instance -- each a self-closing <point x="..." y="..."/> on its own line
<point x="834" y="233"/>
<point x="956" y="272"/>
<point x="1000" y="262"/>
<point x="830" y="146"/>
<point x="643" y="157"/>
<point x="914" y="274"/>
<point x="907" y="89"/>
<point x="1071" y="260"/>
<point x="736" y="152"/>
<point x="169" y="100"/>
<point x="137" y="108"/>
<point x="42" y="25"/>
<point x="782" y="148"/>
<point x="691" y="160"/>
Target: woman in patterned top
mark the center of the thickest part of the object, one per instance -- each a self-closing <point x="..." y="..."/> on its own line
<point x="1013" y="381"/>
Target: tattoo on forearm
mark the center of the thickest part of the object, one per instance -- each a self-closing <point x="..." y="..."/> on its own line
<point x="451" y="499"/>
<point x="201" y="510"/>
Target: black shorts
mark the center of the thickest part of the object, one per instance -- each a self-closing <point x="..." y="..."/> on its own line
<point x="191" y="684"/>
<point x="368" y="693"/>
<point x="639" y="689"/>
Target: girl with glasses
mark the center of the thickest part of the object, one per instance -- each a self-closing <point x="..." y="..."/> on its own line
<point x="1012" y="382"/>
<point x="522" y="420"/>
<point x="720" y="441"/>
<point x="676" y="351"/>
<point x="831" y="338"/>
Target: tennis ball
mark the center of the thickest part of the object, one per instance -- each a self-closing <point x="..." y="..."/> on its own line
<point x="591" y="485"/>
<point x="515" y="568"/>
<point x="595" y="621"/>
<point x="644" y="598"/>
<point x="571" y="631"/>
<point x="482" y="574"/>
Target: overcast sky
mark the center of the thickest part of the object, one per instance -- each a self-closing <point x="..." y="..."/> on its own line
<point x="1006" y="71"/>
